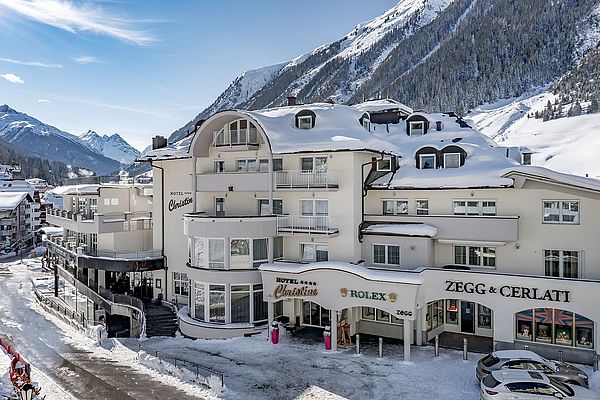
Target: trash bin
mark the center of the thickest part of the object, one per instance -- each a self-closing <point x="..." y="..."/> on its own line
<point x="275" y="332"/>
<point x="327" y="337"/>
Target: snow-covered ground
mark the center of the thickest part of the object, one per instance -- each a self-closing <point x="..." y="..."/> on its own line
<point x="565" y="144"/>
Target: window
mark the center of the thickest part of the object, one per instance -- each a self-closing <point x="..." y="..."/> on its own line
<point x="93" y="207"/>
<point x="417" y="128"/>
<point x="199" y="300"/>
<point x="368" y="313"/>
<point x="246" y="165"/>
<point x="240" y="303"/>
<point x="277" y="248"/>
<point x="219" y="166"/>
<point x="314" y="314"/>
<point x="366" y="124"/>
<point x="451" y="160"/>
<point x="219" y="206"/>
<point x="452" y="312"/>
<point x="240" y="253"/>
<point x="263" y="165"/>
<point x="216" y="253"/>
<point x="478" y="256"/>
<point x="216" y="300"/>
<point x="180" y="282"/>
<point x="305" y="122"/>
<point x="313" y="252"/>
<point x="263" y="207"/>
<point x="259" y="252"/>
<point x="561" y="212"/>
<point x="484" y="317"/>
<point x="427" y="161"/>
<point x="562" y="263"/>
<point x="373" y="314"/>
<point x="314" y="207"/>
<point x="422" y="207"/>
<point x="474" y="207"/>
<point x="384" y="165"/>
<point x="555" y="326"/>
<point x="313" y="164"/>
<point x="386" y="254"/>
<point x="260" y="307"/>
<point x="435" y="314"/>
<point x="278" y="164"/>
<point x="395" y="207"/>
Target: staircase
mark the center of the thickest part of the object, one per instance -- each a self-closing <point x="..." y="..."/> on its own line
<point x="160" y="320"/>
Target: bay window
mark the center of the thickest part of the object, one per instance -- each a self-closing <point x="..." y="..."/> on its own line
<point x="240" y="253"/>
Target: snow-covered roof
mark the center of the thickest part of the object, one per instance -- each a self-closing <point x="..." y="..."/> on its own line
<point x="421" y="230"/>
<point x="366" y="273"/>
<point x="75" y="189"/>
<point x="10" y="200"/>
<point x="382" y="105"/>
<point x="548" y="175"/>
<point x="51" y="230"/>
<point x="179" y="149"/>
<point x="16" y="185"/>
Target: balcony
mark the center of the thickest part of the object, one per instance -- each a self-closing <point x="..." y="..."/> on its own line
<point x="235" y="140"/>
<point x="499" y="229"/>
<point x="200" y="225"/>
<point x="238" y="181"/>
<point x="291" y="179"/>
<point x="307" y="225"/>
<point x="100" y="223"/>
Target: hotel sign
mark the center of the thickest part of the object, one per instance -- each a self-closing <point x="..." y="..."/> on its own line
<point x="289" y="287"/>
<point x="518" y="292"/>
<point x="175" y="204"/>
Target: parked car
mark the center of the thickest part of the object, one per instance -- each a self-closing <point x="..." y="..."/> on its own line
<point x="530" y="385"/>
<point x="530" y="361"/>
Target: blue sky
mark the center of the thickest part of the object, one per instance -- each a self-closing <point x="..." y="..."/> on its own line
<point x="141" y="68"/>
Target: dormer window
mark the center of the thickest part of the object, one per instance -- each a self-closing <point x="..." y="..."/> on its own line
<point x="417" y="128"/>
<point x="305" y="122"/>
<point x="427" y="161"/>
<point x="366" y="124"/>
<point x="451" y="160"/>
<point x="384" y="165"/>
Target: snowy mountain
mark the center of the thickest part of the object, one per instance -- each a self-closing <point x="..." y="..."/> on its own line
<point x="33" y="137"/>
<point x="114" y="146"/>
<point x="438" y="55"/>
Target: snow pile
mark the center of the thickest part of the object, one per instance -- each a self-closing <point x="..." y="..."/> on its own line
<point x="183" y="374"/>
<point x="402" y="229"/>
<point x="97" y="333"/>
<point x="6" y="388"/>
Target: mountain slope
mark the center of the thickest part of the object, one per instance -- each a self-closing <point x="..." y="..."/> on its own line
<point x="438" y="55"/>
<point x="114" y="146"/>
<point x="32" y="136"/>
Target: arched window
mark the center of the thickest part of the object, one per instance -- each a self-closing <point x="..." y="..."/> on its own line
<point x="452" y="157"/>
<point x="427" y="158"/>
<point x="305" y="119"/>
<point x="417" y="125"/>
<point x="554" y="326"/>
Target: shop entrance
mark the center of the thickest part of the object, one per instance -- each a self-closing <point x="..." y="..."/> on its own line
<point x="467" y="317"/>
<point x="315" y="315"/>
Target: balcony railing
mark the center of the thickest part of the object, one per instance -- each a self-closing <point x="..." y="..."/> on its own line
<point x="101" y="223"/>
<point x="307" y="225"/>
<point x="240" y="137"/>
<point x="293" y="179"/>
<point x="129" y="255"/>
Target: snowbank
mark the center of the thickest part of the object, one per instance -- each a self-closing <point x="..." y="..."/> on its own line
<point x="402" y="229"/>
<point x="5" y="384"/>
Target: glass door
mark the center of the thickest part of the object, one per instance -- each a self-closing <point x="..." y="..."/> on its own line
<point x="467" y="317"/>
<point x="220" y="207"/>
<point x="314" y="315"/>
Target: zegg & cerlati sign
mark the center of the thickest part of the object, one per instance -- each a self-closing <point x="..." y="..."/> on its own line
<point x="513" y="291"/>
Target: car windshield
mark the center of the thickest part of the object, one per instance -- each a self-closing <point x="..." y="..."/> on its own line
<point x="489" y="360"/>
<point x="562" y="387"/>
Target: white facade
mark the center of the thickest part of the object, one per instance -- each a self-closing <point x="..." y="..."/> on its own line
<point x="427" y="199"/>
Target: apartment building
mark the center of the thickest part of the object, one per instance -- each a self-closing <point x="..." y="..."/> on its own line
<point x="19" y="219"/>
<point x="105" y="254"/>
<point x="375" y="220"/>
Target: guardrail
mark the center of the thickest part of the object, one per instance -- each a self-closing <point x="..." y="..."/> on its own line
<point x="193" y="367"/>
<point x="130" y="255"/>
<point x="291" y="179"/>
<point x="307" y="224"/>
<point x="78" y="317"/>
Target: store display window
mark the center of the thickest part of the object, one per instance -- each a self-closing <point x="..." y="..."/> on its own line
<point x="555" y="326"/>
<point x="484" y="317"/>
<point x="525" y="325"/>
<point x="452" y="312"/>
<point x="584" y="332"/>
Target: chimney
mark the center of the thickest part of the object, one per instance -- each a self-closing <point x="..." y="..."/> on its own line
<point x="291" y="100"/>
<point x="158" y="142"/>
<point x="438" y="125"/>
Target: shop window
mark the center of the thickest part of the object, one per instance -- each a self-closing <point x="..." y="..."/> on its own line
<point x="199" y="299"/>
<point x="386" y="254"/>
<point x="422" y="207"/>
<point x="555" y="326"/>
<point x="484" y="317"/>
<point x="314" y="252"/>
<point x="435" y="314"/>
<point x="477" y="256"/>
<point x="260" y="307"/>
<point x="561" y="263"/>
<point x="452" y="312"/>
<point x="395" y="207"/>
<point x="180" y="282"/>
<point x="561" y="212"/>
<point x="240" y="303"/>
<point x="368" y="313"/>
<point x="216" y="298"/>
<point x="314" y="314"/>
<point x="382" y="316"/>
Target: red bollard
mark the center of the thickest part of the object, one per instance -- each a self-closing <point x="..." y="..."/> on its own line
<point x="275" y="333"/>
<point x="327" y="338"/>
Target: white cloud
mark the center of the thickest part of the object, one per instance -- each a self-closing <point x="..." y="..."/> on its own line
<point x="76" y="18"/>
<point x="45" y="101"/>
<point x="88" y="60"/>
<point x="30" y="63"/>
<point x="12" y="78"/>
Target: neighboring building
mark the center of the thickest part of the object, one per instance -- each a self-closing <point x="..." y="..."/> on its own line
<point x="106" y="252"/>
<point x="378" y="219"/>
<point x="18" y="221"/>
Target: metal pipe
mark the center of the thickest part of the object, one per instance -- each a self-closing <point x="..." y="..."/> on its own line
<point x="560" y="355"/>
<point x="465" y="349"/>
<point x="595" y="363"/>
<point x="358" y="343"/>
<point x="437" y="345"/>
<point x="380" y="347"/>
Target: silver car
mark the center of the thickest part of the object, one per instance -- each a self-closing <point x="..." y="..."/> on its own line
<point x="530" y="361"/>
<point x="529" y="385"/>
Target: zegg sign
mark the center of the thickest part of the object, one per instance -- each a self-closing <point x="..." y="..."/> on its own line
<point x="520" y="292"/>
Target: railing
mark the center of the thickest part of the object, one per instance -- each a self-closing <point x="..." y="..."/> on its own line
<point x="117" y="222"/>
<point x="307" y="224"/>
<point x="129" y="255"/>
<point x="239" y="137"/>
<point x="78" y="317"/>
<point x="198" y="369"/>
<point x="290" y="179"/>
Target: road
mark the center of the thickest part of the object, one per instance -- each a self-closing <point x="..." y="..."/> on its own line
<point x="83" y="374"/>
